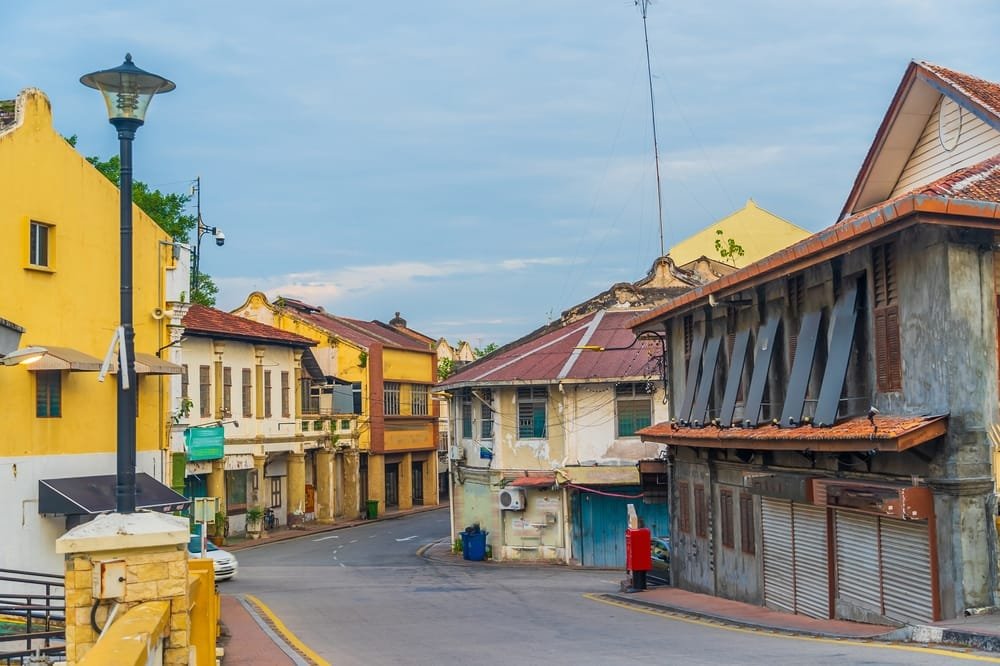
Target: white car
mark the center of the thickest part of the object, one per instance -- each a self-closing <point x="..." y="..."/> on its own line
<point x="224" y="562"/>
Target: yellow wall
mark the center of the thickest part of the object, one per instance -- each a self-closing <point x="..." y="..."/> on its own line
<point x="406" y="366"/>
<point x="76" y="304"/>
<point x="758" y="231"/>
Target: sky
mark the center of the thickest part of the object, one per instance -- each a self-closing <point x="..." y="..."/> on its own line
<point x="482" y="166"/>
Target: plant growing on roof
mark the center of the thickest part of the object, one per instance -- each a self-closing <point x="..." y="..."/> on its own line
<point x="727" y="248"/>
<point x="363" y="359"/>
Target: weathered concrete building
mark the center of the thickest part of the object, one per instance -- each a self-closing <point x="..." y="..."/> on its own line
<point x="831" y="404"/>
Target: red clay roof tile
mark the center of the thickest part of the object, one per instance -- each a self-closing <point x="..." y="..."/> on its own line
<point x="202" y="320"/>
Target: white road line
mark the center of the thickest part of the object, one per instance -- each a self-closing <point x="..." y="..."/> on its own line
<point x="353" y="541"/>
<point x="340" y="563"/>
<point x="407" y="538"/>
<point x="326" y="537"/>
<point x="372" y="536"/>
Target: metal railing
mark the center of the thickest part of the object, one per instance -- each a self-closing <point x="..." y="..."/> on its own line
<point x="35" y="604"/>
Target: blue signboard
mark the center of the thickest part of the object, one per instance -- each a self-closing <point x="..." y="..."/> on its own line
<point x="205" y="443"/>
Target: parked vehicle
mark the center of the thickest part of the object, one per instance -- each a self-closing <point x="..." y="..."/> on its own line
<point x="224" y="562"/>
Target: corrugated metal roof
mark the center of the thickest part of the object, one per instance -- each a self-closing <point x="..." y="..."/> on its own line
<point x="211" y="322"/>
<point x="362" y="333"/>
<point x="554" y="356"/>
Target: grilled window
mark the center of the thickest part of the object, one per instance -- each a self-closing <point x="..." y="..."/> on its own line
<point x="205" y="391"/>
<point x="747" y="542"/>
<point x="267" y="394"/>
<point x="392" y="397"/>
<point x="467" y="413"/>
<point x="634" y="408"/>
<point x="227" y="391"/>
<point x="286" y="398"/>
<point x="700" y="512"/>
<point x="418" y="400"/>
<point x="684" y="507"/>
<point x="885" y="313"/>
<point x="48" y="394"/>
<point x="726" y="517"/>
<point x="247" y="388"/>
<point x="531" y="412"/>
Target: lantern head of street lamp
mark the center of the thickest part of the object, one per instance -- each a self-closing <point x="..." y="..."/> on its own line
<point x="25" y="356"/>
<point x="127" y="91"/>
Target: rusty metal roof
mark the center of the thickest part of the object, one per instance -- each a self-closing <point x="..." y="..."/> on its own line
<point x="883" y="433"/>
<point x="362" y="333"/>
<point x="554" y="356"/>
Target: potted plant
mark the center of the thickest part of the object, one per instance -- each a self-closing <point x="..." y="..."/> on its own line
<point x="221" y="527"/>
<point x="255" y="519"/>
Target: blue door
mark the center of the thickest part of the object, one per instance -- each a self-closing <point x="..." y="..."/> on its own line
<point x="599" y="523"/>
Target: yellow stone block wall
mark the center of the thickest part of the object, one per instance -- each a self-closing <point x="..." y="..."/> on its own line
<point x="155" y="573"/>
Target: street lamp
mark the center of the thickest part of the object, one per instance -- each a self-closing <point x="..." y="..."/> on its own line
<point x="220" y="239"/>
<point x="127" y="91"/>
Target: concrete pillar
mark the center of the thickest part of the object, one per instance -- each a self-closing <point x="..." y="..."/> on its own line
<point x="261" y="498"/>
<point x="152" y="550"/>
<point x="376" y="480"/>
<point x="325" y="494"/>
<point x="431" y="479"/>
<point x="258" y="353"/>
<point x="352" y="485"/>
<point x="297" y="385"/>
<point x="406" y="482"/>
<point x="296" y="483"/>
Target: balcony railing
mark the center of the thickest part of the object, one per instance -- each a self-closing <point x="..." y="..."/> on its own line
<point x="32" y="619"/>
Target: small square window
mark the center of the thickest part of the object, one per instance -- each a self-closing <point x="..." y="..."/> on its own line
<point x="48" y="394"/>
<point x="39" y="245"/>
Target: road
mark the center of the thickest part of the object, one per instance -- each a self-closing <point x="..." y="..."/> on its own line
<point x="363" y="596"/>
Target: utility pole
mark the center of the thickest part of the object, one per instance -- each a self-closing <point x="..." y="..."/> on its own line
<point x="643" y="6"/>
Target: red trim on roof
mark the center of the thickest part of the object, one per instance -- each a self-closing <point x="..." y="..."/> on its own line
<point x="211" y="322"/>
<point x="539" y="481"/>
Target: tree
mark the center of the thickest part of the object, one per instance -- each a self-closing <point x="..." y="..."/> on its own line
<point x="167" y="210"/>
<point x="727" y="248"/>
<point x="446" y="368"/>
<point x="485" y="351"/>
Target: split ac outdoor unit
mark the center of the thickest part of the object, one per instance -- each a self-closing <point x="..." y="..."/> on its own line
<point x="512" y="499"/>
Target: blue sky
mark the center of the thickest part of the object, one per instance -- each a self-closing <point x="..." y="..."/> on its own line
<point x="482" y="166"/>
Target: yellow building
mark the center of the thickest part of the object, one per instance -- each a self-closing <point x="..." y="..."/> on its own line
<point x="381" y="377"/>
<point x="759" y="232"/>
<point x="60" y="274"/>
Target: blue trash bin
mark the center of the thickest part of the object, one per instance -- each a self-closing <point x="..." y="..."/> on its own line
<point x="474" y="546"/>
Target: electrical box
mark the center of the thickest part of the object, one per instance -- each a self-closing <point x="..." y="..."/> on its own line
<point x="109" y="579"/>
<point x="638" y="551"/>
<point x="205" y="509"/>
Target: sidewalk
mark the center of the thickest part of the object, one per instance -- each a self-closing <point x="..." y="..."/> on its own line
<point x="979" y="632"/>
<point x="248" y="639"/>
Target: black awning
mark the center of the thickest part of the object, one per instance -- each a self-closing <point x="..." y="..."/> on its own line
<point x="89" y="495"/>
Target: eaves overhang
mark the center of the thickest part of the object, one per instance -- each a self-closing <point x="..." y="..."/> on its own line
<point x="891" y="434"/>
<point x="861" y="230"/>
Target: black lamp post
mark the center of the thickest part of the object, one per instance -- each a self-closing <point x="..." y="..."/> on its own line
<point x="127" y="91"/>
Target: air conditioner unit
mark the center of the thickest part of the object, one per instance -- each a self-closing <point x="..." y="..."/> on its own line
<point x="456" y="452"/>
<point x="512" y="499"/>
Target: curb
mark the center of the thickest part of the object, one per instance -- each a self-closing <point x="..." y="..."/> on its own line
<point x="289" y="534"/>
<point x="724" y="619"/>
<point x="922" y="633"/>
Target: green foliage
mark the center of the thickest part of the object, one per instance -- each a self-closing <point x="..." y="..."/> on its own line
<point x="485" y="351"/>
<point x="363" y="359"/>
<point x="168" y="210"/>
<point x="727" y="248"/>
<point x="446" y="368"/>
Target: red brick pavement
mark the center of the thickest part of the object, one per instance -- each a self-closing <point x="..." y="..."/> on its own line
<point x="247" y="644"/>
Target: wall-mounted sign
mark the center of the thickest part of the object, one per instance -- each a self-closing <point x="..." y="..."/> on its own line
<point x="205" y="443"/>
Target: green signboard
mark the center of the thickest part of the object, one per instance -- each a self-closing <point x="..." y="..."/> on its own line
<point x="205" y="443"/>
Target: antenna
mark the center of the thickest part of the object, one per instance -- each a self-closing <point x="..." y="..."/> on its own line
<point x="643" y="6"/>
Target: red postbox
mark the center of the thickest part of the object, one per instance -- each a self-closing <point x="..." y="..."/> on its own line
<point x="638" y="549"/>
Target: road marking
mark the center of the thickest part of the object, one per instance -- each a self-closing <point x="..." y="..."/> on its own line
<point x="353" y="541"/>
<point x="341" y="564"/>
<point x="285" y="632"/>
<point x="372" y="536"/>
<point x="407" y="538"/>
<point x="779" y="634"/>
<point x="327" y="537"/>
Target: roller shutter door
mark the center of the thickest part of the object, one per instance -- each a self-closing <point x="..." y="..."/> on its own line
<point x="779" y="579"/>
<point x="906" y="570"/>
<point x="858" y="580"/>
<point x="796" y="574"/>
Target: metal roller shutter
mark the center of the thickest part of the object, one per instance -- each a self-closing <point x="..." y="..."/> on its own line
<point x="812" y="590"/>
<point x="858" y="580"/>
<point x="906" y="571"/>
<point x="779" y="580"/>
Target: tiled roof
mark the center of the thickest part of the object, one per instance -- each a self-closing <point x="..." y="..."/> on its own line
<point x="362" y="333"/>
<point x="973" y="191"/>
<point x="554" y="356"/>
<point x="884" y="433"/>
<point x="985" y="92"/>
<point x="202" y="320"/>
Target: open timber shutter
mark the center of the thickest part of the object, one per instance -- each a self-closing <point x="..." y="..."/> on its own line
<point x="885" y="312"/>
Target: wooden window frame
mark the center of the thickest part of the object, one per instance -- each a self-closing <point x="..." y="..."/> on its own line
<point x="684" y="507"/>
<point x="286" y="400"/>
<point x="40" y="244"/>
<point x="246" y="389"/>
<point x="748" y="541"/>
<point x="227" y="391"/>
<point x="267" y="394"/>
<point x="466" y="415"/>
<point x="486" y="414"/>
<point x="185" y="382"/>
<point x="632" y="400"/>
<point x="529" y="398"/>
<point x="700" y="512"/>
<point x="275" y="491"/>
<point x="419" y="400"/>
<point x="885" y="319"/>
<point x="205" y="391"/>
<point x="391" y="392"/>
<point x="726" y="523"/>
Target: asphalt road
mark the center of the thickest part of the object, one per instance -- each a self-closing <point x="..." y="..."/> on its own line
<point x="363" y="596"/>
